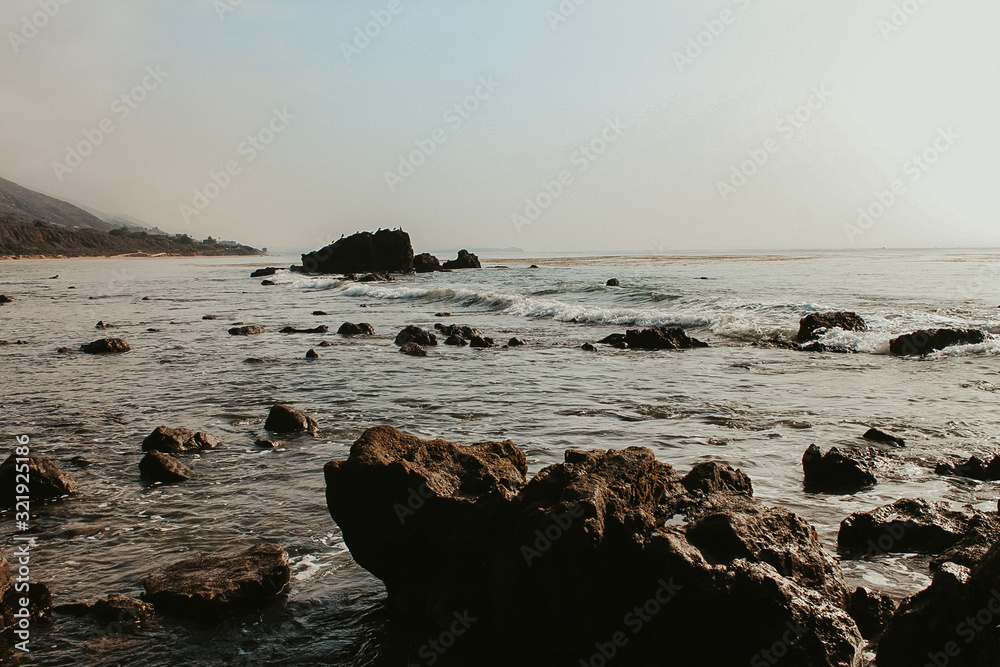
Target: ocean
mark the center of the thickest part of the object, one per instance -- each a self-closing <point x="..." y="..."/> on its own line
<point x="753" y="407"/>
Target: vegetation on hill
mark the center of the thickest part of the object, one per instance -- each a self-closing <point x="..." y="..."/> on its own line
<point x="26" y="237"/>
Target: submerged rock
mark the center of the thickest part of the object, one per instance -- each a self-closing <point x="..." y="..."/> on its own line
<point x="931" y="340"/>
<point x="286" y="419"/>
<point x="587" y="347"/>
<point x="46" y="480"/>
<point x="835" y="472"/>
<point x="384" y="251"/>
<point x="653" y="338"/>
<point x="163" y="468"/>
<point x="613" y="283"/>
<point x="414" y="334"/>
<point x="582" y="554"/>
<point x="175" y="440"/>
<point x="103" y="325"/>
<point x="906" y="526"/>
<point x="210" y="583"/>
<point x="413" y="350"/>
<point x="885" y="438"/>
<point x="106" y="346"/>
<point x="321" y="329"/>
<point x="426" y="263"/>
<point x="352" y="329"/>
<point x="249" y="330"/>
<point x="515" y="342"/>
<point x="814" y="324"/>
<point x="268" y="271"/>
<point x="465" y="260"/>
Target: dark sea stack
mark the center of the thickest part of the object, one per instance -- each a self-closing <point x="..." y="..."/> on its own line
<point x="656" y="338"/>
<point x="321" y="329"/>
<point x="906" y="526"/>
<point x="106" y="346"/>
<point x="426" y="263"/>
<point x="163" y="468"/>
<point x="176" y="440"/>
<point x="465" y="260"/>
<point x="286" y="419"/>
<point x="931" y="340"/>
<point x="414" y="334"/>
<point x="249" y="330"/>
<point x="268" y="271"/>
<point x="46" y="479"/>
<point x="953" y="622"/>
<point x="413" y="349"/>
<point x="871" y="610"/>
<point x="385" y="251"/>
<point x="835" y="472"/>
<point x="876" y="435"/>
<point x="214" y="583"/>
<point x="579" y="553"/>
<point x="811" y="325"/>
<point x="613" y="282"/>
<point x="352" y="329"/>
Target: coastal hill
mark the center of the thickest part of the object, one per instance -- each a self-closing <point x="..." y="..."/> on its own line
<point x="33" y="224"/>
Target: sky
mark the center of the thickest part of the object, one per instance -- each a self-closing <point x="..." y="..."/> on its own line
<point x="549" y="125"/>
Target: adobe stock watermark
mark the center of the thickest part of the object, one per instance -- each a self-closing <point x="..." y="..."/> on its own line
<point x="899" y="17"/>
<point x="562" y="13"/>
<point x="432" y="651"/>
<point x="913" y="169"/>
<point x="635" y="621"/>
<point x="248" y="150"/>
<point x="786" y="128"/>
<point x="582" y="159"/>
<point x="704" y="40"/>
<point x="21" y="560"/>
<point x="35" y="23"/>
<point x="121" y="108"/>
<point x="225" y="7"/>
<point x="968" y="630"/>
<point x="779" y="649"/>
<point x="559" y="523"/>
<point x="454" y="118"/>
<point x="364" y="34"/>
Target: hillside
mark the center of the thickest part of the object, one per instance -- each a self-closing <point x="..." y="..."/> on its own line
<point x="23" y="237"/>
<point x="19" y="201"/>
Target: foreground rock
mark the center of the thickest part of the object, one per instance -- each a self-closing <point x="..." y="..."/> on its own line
<point x="414" y="334"/>
<point x="176" y="440"/>
<point x="835" y="472"/>
<point x="46" y="480"/>
<point x="352" y="329"/>
<point x="384" y="251"/>
<point x="249" y="330"/>
<point x="814" y="324"/>
<point x="654" y="338"/>
<point x="905" y="526"/>
<point x="581" y="555"/>
<point x="159" y="467"/>
<point x="465" y="260"/>
<point x="211" y="583"/>
<point x="106" y="346"/>
<point x="286" y="419"/>
<point x="932" y="340"/>
<point x="953" y="622"/>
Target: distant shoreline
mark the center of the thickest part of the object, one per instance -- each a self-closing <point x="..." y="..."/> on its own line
<point x="132" y="255"/>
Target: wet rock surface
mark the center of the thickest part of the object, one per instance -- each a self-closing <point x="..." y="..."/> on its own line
<point x="931" y="340"/>
<point x="174" y="440"/>
<point x="158" y="467"/>
<point x="812" y="325"/>
<point x="44" y="479"/>
<point x="906" y="526"/>
<point x="836" y="471"/>
<point x="106" y="346"/>
<point x="286" y="419"/>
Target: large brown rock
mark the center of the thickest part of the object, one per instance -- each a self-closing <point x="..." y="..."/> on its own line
<point x="835" y="472"/>
<point x="384" y="251"/>
<point x="813" y="324"/>
<point x="209" y="583"/>
<point x="176" y="440"/>
<point x="604" y="545"/>
<point x="45" y="480"/>
<point x="286" y="419"/>
<point x="163" y="468"/>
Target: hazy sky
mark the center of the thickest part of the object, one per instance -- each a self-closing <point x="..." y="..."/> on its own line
<point x="576" y="125"/>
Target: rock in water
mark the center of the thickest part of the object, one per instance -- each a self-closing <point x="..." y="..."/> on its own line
<point x="881" y="436"/>
<point x="834" y="472"/>
<point x="384" y="251"/>
<point x="582" y="553"/>
<point x="613" y="282"/>
<point x="268" y="271"/>
<point x="465" y="260"/>
<point x="211" y="583"/>
<point x="46" y="480"/>
<point x="515" y="342"/>
<point x="246" y="331"/>
<point x="414" y="334"/>
<point x="905" y="526"/>
<point x="654" y="338"/>
<point x="162" y="468"/>
<point x="426" y="263"/>
<point x="456" y="340"/>
<point x="103" y="325"/>
<point x="813" y="324"/>
<point x="352" y="329"/>
<point x="176" y="440"/>
<point x="321" y="329"/>
<point x="286" y="419"/>
<point x="6" y="299"/>
<point x="312" y="354"/>
<point x="106" y="346"/>
<point x="931" y="340"/>
<point x="413" y="350"/>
